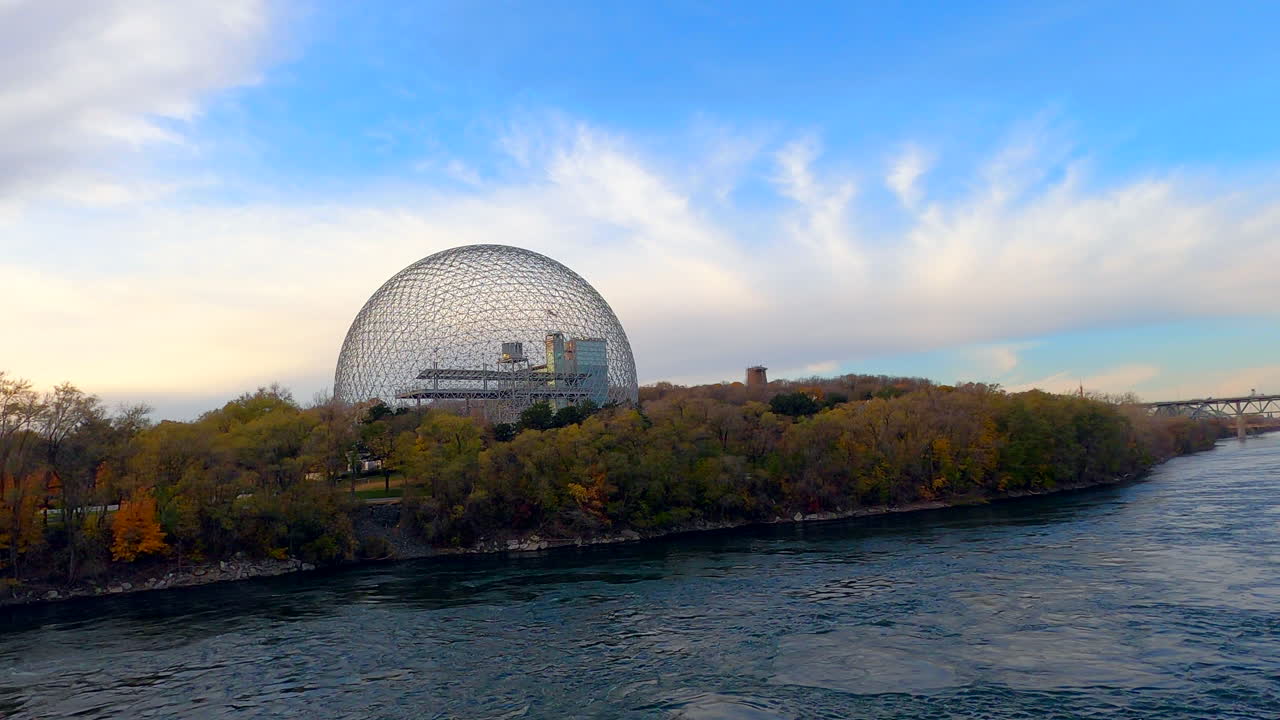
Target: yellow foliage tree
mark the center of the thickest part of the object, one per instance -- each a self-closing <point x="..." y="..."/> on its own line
<point x="20" y="528"/>
<point x="591" y="498"/>
<point x="136" y="528"/>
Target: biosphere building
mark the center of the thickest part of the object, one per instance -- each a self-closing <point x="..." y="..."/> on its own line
<point x="496" y="327"/>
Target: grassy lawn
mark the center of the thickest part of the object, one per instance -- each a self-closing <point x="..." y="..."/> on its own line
<point x="379" y="492"/>
<point x="372" y="488"/>
<point x="373" y="482"/>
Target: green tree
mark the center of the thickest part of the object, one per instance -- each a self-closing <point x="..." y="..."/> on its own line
<point x="539" y="416"/>
<point x="794" y="404"/>
<point x="379" y="438"/>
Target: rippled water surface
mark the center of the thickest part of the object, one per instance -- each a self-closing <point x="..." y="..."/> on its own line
<point x="1159" y="599"/>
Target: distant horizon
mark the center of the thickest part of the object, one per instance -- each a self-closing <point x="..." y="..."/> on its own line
<point x="188" y="411"/>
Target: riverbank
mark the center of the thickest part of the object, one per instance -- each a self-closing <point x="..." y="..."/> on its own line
<point x="1092" y="603"/>
<point x="379" y="523"/>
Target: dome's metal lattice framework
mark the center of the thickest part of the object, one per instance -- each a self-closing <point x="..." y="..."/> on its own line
<point x="494" y="327"/>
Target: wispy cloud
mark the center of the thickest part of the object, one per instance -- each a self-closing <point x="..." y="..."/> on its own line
<point x="84" y="85"/>
<point x="1117" y="380"/>
<point x="231" y="296"/>
<point x="997" y="360"/>
<point x="904" y="174"/>
<point x="149" y="293"/>
<point x="820" y="224"/>
<point x="1214" y="383"/>
<point x="815" y="369"/>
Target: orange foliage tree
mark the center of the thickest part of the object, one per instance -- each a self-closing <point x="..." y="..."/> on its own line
<point x="20" y="528"/>
<point x="136" y="529"/>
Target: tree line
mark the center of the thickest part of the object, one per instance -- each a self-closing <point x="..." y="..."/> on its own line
<point x="85" y="491"/>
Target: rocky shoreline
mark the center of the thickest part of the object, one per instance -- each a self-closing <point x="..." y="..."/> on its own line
<point x="221" y="571"/>
<point x="381" y="521"/>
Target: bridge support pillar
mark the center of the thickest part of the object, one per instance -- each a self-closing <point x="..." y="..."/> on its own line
<point x="1242" y="429"/>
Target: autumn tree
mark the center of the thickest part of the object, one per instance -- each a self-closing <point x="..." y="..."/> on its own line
<point x="20" y="528"/>
<point x="378" y="438"/>
<point x="21" y="408"/>
<point x="271" y="448"/>
<point x="136" y="529"/>
<point x="331" y="439"/>
<point x="233" y="480"/>
<point x="67" y="409"/>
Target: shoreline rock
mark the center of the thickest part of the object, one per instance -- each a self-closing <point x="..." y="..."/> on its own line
<point x="407" y="548"/>
<point x="191" y="576"/>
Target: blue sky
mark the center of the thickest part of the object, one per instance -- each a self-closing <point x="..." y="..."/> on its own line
<point x="1036" y="194"/>
<point x="1187" y="84"/>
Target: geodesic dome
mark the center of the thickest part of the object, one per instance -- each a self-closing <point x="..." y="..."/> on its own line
<point x="479" y="323"/>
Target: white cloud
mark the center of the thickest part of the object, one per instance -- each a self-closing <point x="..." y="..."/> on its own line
<point x="1154" y="383"/>
<point x="1116" y="380"/>
<point x="81" y="82"/>
<point x="1236" y="382"/>
<point x="997" y="360"/>
<point x="904" y="175"/>
<point x="729" y="154"/>
<point x="816" y="369"/>
<point x="822" y="225"/>
<point x="1264" y="379"/>
<point x="224" y="298"/>
<point x="146" y="294"/>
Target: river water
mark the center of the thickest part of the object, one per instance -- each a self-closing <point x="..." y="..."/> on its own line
<point x="1157" y="599"/>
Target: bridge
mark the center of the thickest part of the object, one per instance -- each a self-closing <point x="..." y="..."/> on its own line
<point x="1240" y="408"/>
